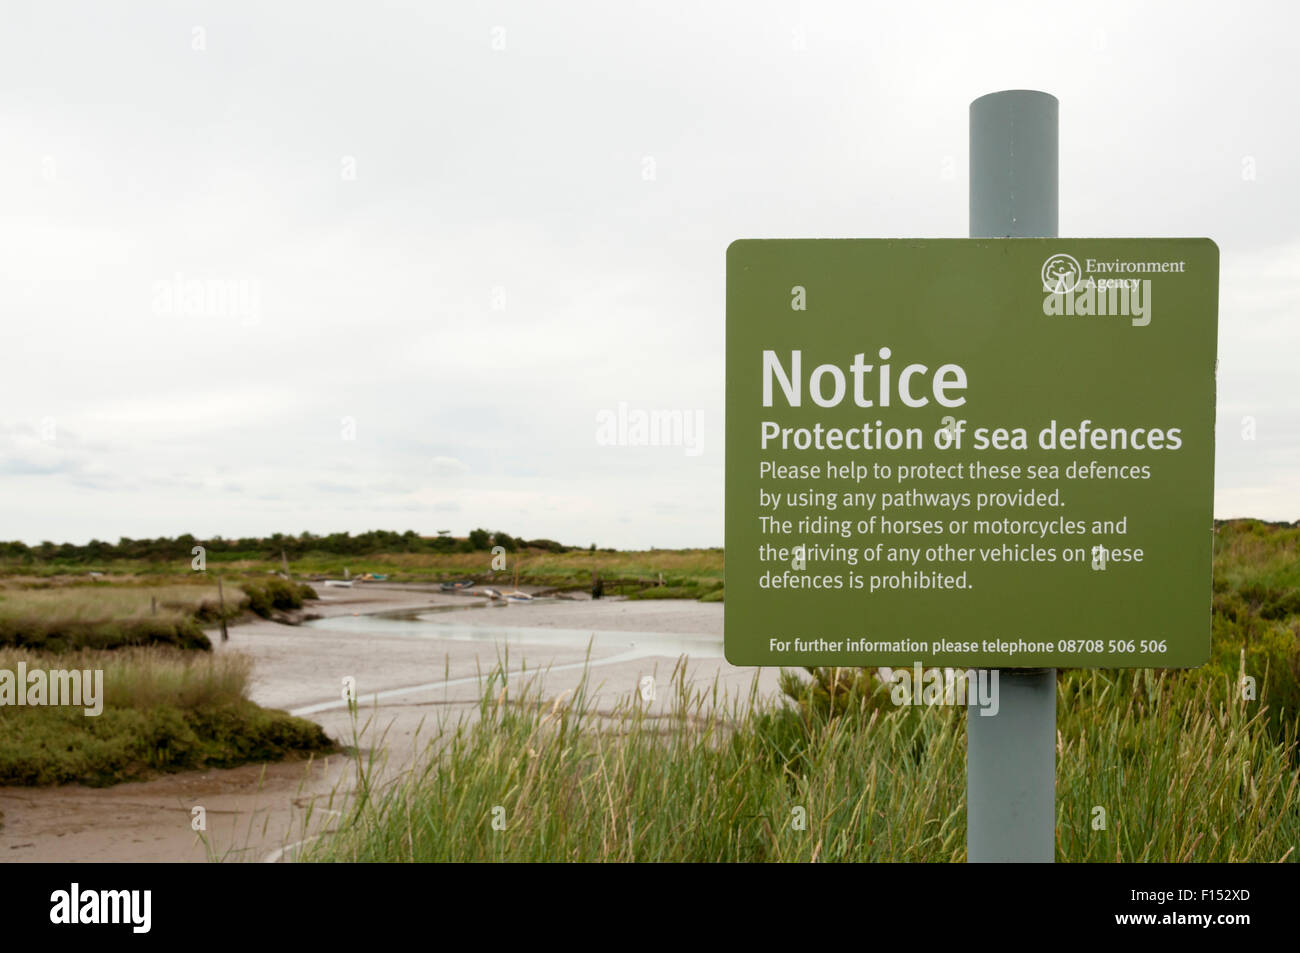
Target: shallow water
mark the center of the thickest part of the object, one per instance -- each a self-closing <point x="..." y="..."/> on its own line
<point x="440" y="623"/>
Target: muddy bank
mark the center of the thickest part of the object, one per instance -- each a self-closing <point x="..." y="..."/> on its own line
<point x="408" y="681"/>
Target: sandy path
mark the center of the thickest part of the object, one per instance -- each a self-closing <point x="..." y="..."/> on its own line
<point x="408" y="679"/>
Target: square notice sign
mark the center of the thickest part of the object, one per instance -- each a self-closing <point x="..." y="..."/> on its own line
<point x="970" y="452"/>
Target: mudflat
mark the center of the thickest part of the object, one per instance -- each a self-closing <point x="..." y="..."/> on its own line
<point x="416" y="659"/>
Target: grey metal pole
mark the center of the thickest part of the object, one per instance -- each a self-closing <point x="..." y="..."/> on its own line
<point x="1011" y="756"/>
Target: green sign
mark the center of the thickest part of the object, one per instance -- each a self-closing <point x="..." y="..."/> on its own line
<point x="970" y="452"/>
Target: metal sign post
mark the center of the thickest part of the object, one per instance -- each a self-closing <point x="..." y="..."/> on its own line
<point x="1011" y="756"/>
<point x="927" y="438"/>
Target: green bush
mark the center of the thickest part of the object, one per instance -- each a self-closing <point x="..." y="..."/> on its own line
<point x="62" y="746"/>
<point x="208" y="611"/>
<point x="550" y="545"/>
<point x="66" y="635"/>
<point x="271" y="594"/>
<point x="259" y="600"/>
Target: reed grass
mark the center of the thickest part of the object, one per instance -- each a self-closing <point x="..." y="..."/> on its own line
<point x="164" y="709"/>
<point x="1179" y="776"/>
<point x="60" y="618"/>
<point x="105" y="601"/>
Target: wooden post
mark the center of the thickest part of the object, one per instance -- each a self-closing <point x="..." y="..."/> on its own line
<point x="153" y="605"/>
<point x="284" y="560"/>
<point x="221" y="598"/>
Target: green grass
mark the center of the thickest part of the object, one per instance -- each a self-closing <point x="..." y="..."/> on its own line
<point x="1151" y="766"/>
<point x="59" y="634"/>
<point x="1178" y="776"/>
<point x="536" y="567"/>
<point x="163" y="710"/>
<point x="706" y="592"/>
<point x="104" y="616"/>
<point x="1256" y="613"/>
<point x="1182" y="765"/>
<point x="68" y="614"/>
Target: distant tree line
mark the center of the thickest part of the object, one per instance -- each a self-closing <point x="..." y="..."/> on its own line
<point x="342" y="544"/>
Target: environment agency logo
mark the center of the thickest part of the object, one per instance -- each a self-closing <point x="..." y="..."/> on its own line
<point x="1061" y="272"/>
<point x="1069" y="291"/>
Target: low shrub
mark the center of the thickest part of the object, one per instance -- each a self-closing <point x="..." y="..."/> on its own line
<point x="66" y="635"/>
<point x="271" y="594"/>
<point x="162" y="710"/>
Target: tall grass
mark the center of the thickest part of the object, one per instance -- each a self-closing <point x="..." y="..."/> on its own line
<point x="100" y="615"/>
<point x="1178" y="775"/>
<point x="102" y="601"/>
<point x="153" y="676"/>
<point x="164" y="709"/>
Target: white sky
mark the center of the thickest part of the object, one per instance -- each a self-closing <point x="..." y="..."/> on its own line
<point x="130" y="158"/>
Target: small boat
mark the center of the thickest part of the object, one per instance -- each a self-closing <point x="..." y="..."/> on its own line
<point x="457" y="586"/>
<point x="342" y="583"/>
<point x="516" y="595"/>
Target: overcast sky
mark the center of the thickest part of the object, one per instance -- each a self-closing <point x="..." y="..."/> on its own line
<point x="436" y="240"/>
